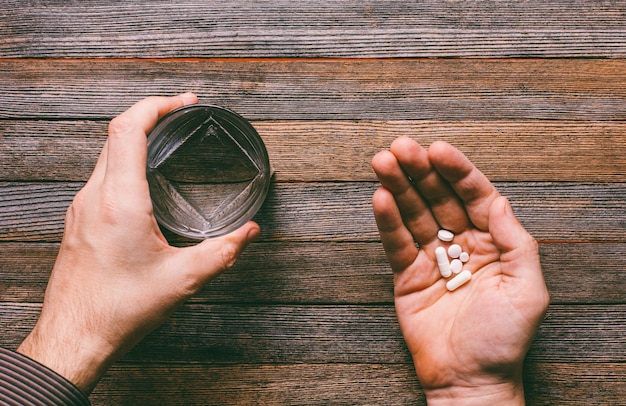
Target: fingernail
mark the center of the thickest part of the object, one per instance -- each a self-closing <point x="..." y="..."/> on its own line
<point x="188" y="98"/>
<point x="253" y="234"/>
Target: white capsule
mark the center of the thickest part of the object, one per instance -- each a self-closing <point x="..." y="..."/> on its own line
<point x="456" y="266"/>
<point x="445" y="235"/>
<point x="464" y="257"/>
<point x="442" y="262"/>
<point x="455" y="250"/>
<point x="459" y="280"/>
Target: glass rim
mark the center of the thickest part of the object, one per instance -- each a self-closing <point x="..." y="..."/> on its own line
<point x="247" y="139"/>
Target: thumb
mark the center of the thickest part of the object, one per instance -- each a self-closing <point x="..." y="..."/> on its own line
<point x="506" y="231"/>
<point x="519" y="260"/>
<point x="208" y="259"/>
<point x="518" y="249"/>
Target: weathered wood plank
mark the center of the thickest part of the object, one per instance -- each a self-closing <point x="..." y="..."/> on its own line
<point x="307" y="151"/>
<point x="341" y="273"/>
<point x="328" y="211"/>
<point x="548" y="383"/>
<point x="326" y="332"/>
<point x="294" y="89"/>
<point x="286" y="28"/>
<point x="242" y="334"/>
<point x="202" y="384"/>
<point x="353" y="384"/>
<point x="34" y="209"/>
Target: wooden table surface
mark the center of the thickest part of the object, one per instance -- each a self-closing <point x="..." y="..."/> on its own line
<point x="534" y="92"/>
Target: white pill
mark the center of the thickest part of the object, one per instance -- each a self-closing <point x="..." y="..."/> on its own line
<point x="459" y="280"/>
<point x="464" y="257"/>
<point x="445" y="235"/>
<point x="456" y="266"/>
<point x="455" y="250"/>
<point x="442" y="262"/>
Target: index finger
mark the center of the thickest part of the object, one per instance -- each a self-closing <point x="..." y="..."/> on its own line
<point x="397" y="240"/>
<point x="126" y="146"/>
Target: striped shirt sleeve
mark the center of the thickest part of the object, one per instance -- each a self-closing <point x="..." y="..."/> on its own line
<point x="24" y="381"/>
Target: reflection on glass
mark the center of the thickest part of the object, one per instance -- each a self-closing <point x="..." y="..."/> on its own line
<point x="208" y="171"/>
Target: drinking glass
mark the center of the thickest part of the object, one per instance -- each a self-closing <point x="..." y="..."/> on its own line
<point x="208" y="171"/>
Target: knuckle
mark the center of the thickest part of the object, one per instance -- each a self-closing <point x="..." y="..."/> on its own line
<point x="78" y="205"/>
<point x="532" y="244"/>
<point x="188" y="286"/>
<point x="229" y="254"/>
<point x="119" y="125"/>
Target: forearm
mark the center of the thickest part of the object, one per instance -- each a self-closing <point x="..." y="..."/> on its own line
<point x="24" y="381"/>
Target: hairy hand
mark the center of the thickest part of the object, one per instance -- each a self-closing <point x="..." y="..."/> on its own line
<point x="116" y="278"/>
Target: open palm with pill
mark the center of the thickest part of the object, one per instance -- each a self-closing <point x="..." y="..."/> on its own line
<point x="468" y="330"/>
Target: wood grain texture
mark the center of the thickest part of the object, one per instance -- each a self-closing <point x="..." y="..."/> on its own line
<point x="386" y="89"/>
<point x="161" y="29"/>
<point x="308" y="151"/>
<point x="349" y="384"/>
<point x="534" y="92"/>
<point x="296" y="384"/>
<point x="334" y="273"/>
<point x="288" y="334"/>
<point x="574" y="212"/>
<point x="548" y="383"/>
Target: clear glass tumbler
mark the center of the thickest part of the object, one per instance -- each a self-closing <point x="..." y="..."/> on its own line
<point x="208" y="171"/>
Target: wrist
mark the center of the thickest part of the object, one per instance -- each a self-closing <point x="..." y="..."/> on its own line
<point x="77" y="359"/>
<point x="503" y="393"/>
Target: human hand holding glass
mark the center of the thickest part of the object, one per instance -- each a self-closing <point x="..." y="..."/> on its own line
<point x="468" y="345"/>
<point x="116" y="278"/>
